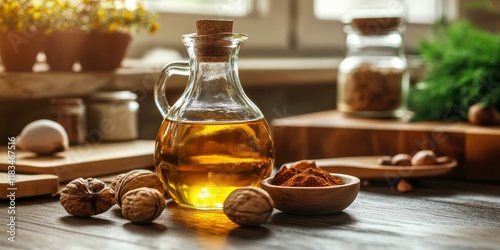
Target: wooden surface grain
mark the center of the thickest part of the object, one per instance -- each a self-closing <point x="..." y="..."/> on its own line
<point x="437" y="214"/>
<point x="87" y="160"/>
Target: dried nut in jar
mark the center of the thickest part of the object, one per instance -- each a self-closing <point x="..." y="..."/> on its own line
<point x="248" y="206"/>
<point x="368" y="88"/>
<point x="136" y="179"/>
<point x="384" y="160"/>
<point x="404" y="186"/>
<point x="401" y="160"/>
<point x="87" y="197"/>
<point x="142" y="205"/>
<point x="424" y="157"/>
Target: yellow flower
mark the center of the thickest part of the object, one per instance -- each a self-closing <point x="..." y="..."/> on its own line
<point x="154" y="27"/>
<point x="113" y="27"/>
<point x="128" y="15"/>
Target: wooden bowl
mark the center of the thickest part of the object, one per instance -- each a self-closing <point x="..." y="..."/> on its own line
<point x="313" y="200"/>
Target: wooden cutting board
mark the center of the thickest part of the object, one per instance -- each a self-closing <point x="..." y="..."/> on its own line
<point x="366" y="167"/>
<point x="90" y="160"/>
<point x="28" y="185"/>
<point x="329" y="134"/>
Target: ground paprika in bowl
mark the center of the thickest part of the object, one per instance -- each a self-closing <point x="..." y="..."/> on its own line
<point x="307" y="190"/>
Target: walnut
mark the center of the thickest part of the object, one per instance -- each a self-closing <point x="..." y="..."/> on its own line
<point x="136" y="179"/>
<point x="115" y="181"/>
<point x="142" y="205"/>
<point x="87" y="197"/>
<point x="248" y="206"/>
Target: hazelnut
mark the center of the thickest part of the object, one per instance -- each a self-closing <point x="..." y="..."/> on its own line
<point x="424" y="157"/>
<point x="136" y="179"/>
<point x="404" y="186"/>
<point x="142" y="205"/>
<point x="401" y="160"/>
<point x="444" y="160"/>
<point x="384" y="160"/>
<point x="479" y="114"/>
<point x="86" y="197"/>
<point x="248" y="206"/>
<point x="365" y="183"/>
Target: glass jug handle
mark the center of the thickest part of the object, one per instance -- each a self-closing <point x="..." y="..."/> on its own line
<point x="173" y="68"/>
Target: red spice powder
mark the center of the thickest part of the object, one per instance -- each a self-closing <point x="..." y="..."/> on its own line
<point x="304" y="177"/>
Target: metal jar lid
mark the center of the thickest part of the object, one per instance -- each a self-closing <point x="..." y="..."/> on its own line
<point x="113" y="96"/>
<point x="68" y="105"/>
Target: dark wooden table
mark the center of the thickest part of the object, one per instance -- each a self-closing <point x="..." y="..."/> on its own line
<point x="437" y="214"/>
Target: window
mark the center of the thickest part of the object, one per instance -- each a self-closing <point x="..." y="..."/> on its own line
<point x="214" y="7"/>
<point x="303" y="28"/>
<point x="267" y="23"/>
<point x="422" y="11"/>
<point x="320" y="36"/>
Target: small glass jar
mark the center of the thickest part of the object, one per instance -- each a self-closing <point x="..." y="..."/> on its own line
<point x="113" y="116"/>
<point x="70" y="113"/>
<point x="373" y="79"/>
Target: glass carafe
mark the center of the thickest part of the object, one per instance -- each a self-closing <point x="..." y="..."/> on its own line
<point x="213" y="139"/>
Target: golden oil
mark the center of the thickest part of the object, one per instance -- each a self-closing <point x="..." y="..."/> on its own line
<point x="201" y="163"/>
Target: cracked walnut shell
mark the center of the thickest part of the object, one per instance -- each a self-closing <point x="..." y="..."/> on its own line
<point x="136" y="179"/>
<point x="86" y="197"/>
<point x="248" y="206"/>
<point x="142" y="205"/>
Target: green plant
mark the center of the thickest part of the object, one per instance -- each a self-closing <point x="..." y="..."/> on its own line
<point x="463" y="65"/>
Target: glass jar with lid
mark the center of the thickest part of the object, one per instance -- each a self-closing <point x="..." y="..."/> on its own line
<point x="373" y="79"/>
<point x="70" y="113"/>
<point x="113" y="116"/>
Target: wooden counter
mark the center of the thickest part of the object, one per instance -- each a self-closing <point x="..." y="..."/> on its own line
<point x="437" y="214"/>
<point x="329" y="134"/>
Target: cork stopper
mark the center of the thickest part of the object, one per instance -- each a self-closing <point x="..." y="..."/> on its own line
<point x="376" y="25"/>
<point x="372" y="23"/>
<point x="211" y="47"/>
<point x="213" y="26"/>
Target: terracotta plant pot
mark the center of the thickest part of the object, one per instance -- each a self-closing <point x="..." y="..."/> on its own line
<point x="18" y="50"/>
<point x="64" y="48"/>
<point x="104" y="51"/>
